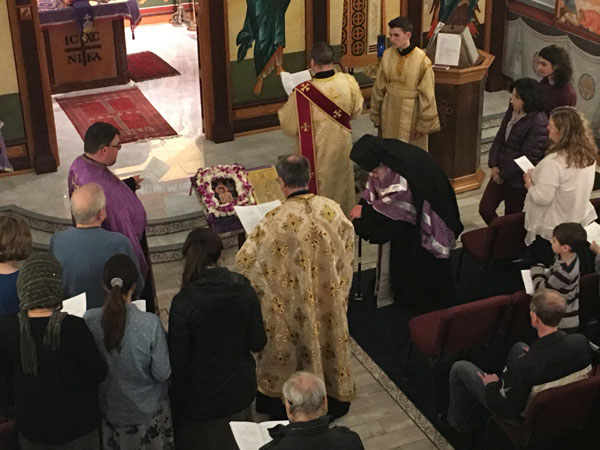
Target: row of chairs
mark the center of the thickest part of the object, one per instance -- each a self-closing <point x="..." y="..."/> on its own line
<point x="497" y="323"/>
<point x="502" y="240"/>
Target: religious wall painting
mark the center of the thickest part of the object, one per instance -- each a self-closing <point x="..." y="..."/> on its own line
<point x="469" y="13"/>
<point x="362" y="23"/>
<point x="261" y="46"/>
<point x="579" y="15"/>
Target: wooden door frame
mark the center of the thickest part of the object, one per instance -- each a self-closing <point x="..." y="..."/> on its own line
<point x="34" y="85"/>
<point x="215" y="74"/>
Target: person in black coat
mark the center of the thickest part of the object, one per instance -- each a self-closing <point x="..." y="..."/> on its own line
<point x="305" y="400"/>
<point x="523" y="132"/>
<point x="215" y="322"/>
<point x="410" y="203"/>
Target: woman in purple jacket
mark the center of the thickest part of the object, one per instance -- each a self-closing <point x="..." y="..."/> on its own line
<point x="554" y="66"/>
<point x="523" y="132"/>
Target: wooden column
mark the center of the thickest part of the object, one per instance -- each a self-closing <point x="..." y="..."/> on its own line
<point x="317" y="24"/>
<point x="495" y="80"/>
<point x="215" y="76"/>
<point x="413" y="10"/>
<point x="34" y="85"/>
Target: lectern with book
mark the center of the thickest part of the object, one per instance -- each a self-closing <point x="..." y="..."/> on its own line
<point x="460" y="73"/>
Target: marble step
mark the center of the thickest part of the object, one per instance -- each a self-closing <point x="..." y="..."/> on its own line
<point x="163" y="248"/>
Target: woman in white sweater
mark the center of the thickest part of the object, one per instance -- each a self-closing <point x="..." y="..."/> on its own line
<point x="559" y="187"/>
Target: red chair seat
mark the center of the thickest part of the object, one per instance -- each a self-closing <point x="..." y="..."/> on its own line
<point x="459" y="328"/>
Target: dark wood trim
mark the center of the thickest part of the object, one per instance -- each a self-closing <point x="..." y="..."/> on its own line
<point x="222" y="127"/>
<point x="414" y="13"/>
<point x="120" y="50"/>
<point x="48" y="56"/>
<point x="530" y="11"/>
<point x="320" y="21"/>
<point x="496" y="81"/>
<point x="34" y="85"/>
<point x="255" y="123"/>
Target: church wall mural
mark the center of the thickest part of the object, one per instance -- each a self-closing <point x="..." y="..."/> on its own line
<point x="579" y="15"/>
<point x="471" y="11"/>
<point x="10" y="101"/>
<point x="256" y="52"/>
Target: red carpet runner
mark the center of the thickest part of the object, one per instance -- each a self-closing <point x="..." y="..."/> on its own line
<point x="127" y="109"/>
<point x="148" y="66"/>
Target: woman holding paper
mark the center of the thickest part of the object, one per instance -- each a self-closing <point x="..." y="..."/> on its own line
<point x="559" y="188"/>
<point x="215" y="322"/>
<point x="523" y="132"/>
<point x="134" y="397"/>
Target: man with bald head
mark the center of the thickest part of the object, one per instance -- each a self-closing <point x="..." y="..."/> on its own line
<point x="305" y="400"/>
<point x="82" y="251"/>
<point x="554" y="359"/>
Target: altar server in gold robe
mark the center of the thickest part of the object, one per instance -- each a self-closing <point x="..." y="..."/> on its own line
<point x="299" y="260"/>
<point x="403" y="99"/>
<point x="319" y="113"/>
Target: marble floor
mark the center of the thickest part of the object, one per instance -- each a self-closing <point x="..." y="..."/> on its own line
<point x="381" y="414"/>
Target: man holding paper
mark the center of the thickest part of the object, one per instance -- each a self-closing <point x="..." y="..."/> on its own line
<point x="124" y="211"/>
<point x="319" y="113"/>
<point x="299" y="260"/>
<point x="403" y="99"/>
<point x="305" y="400"/>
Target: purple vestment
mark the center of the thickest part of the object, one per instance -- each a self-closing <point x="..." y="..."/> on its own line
<point x="125" y="212"/>
<point x="391" y="196"/>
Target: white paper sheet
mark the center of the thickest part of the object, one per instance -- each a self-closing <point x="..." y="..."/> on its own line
<point x="252" y="436"/>
<point x="447" y="50"/>
<point x="141" y="304"/>
<point x="155" y="170"/>
<point x="593" y="232"/>
<point x="524" y="163"/>
<point x="250" y="216"/>
<point x="527" y="281"/>
<point x="76" y="306"/>
<point x="291" y="80"/>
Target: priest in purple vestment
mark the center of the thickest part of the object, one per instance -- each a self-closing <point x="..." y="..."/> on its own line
<point x="125" y="212"/>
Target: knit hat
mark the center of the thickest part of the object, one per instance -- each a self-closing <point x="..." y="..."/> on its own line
<point x="39" y="285"/>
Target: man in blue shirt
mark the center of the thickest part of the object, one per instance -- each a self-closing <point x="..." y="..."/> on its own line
<point x="82" y="251"/>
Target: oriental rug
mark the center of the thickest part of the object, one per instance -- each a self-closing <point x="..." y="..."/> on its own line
<point x="148" y="66"/>
<point x="126" y="109"/>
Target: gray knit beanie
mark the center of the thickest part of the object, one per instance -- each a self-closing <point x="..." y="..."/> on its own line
<point x="39" y="285"/>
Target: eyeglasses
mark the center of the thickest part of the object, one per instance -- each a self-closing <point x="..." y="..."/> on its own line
<point x="118" y="146"/>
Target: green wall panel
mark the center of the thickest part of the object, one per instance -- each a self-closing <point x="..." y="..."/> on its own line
<point x="11" y="114"/>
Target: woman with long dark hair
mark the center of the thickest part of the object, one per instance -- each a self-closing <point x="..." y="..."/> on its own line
<point x="134" y="396"/>
<point x="554" y="66"/>
<point x="214" y="323"/>
<point x="523" y="132"/>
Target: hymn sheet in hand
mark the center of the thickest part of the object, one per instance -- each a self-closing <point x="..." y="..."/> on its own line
<point x="252" y="436"/>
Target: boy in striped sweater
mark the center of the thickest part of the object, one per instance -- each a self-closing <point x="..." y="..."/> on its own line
<point x="563" y="275"/>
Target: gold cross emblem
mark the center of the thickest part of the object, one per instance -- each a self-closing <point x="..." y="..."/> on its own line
<point x="305" y="87"/>
<point x="337" y="113"/>
<point x="305" y="126"/>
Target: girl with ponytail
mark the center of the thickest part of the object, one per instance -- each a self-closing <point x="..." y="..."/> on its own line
<point x="133" y="397"/>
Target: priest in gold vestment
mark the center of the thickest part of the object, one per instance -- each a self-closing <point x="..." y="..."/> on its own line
<point x="327" y="126"/>
<point x="299" y="260"/>
<point x="403" y="99"/>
